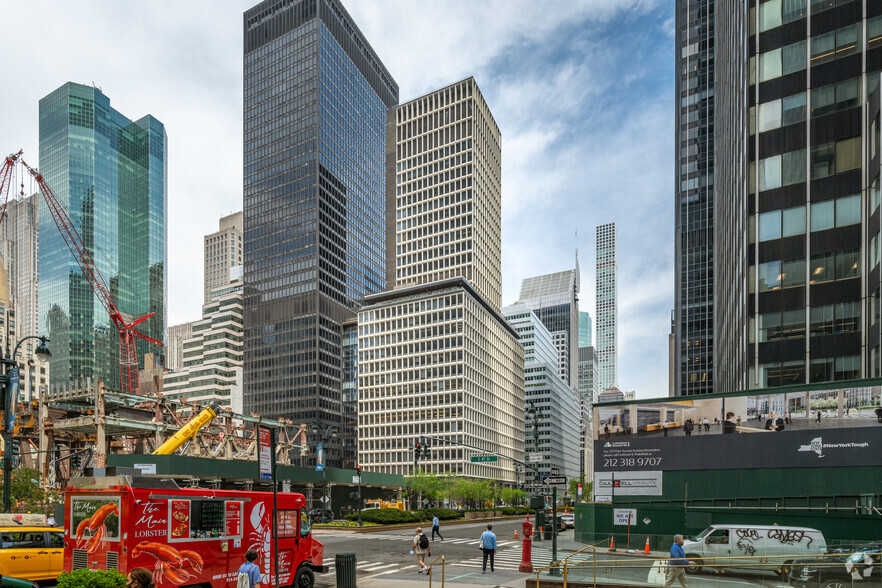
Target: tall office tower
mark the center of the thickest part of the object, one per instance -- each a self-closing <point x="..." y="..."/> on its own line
<point x="212" y="355"/>
<point x="606" y="312"/>
<point x="797" y="215"/>
<point x="111" y="175"/>
<point x="34" y="372"/>
<point x="316" y="102"/>
<point x="174" y="345"/>
<point x="436" y="358"/>
<point x="548" y="395"/>
<point x="223" y="252"/>
<point x="586" y="329"/>
<point x="589" y="389"/>
<point x="589" y="375"/>
<point x="19" y="245"/>
<point x="437" y="197"/>
<point x="694" y="197"/>
<point x="555" y="300"/>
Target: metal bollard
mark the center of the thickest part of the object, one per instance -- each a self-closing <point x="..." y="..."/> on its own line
<point x="345" y="565"/>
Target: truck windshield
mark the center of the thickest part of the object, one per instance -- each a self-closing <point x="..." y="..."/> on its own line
<point x="703" y="534"/>
<point x="304" y="523"/>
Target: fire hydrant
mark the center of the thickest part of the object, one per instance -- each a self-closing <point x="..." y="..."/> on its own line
<point x="527" y="548"/>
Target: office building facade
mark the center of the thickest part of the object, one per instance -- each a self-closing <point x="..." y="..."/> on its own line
<point x="586" y="330"/>
<point x="110" y="173"/>
<point x="316" y="102"/>
<point x="694" y="197"/>
<point x="606" y="310"/>
<point x="19" y="245"/>
<point x="798" y="249"/>
<point x="213" y="354"/>
<point x="223" y="253"/>
<point x="174" y="345"/>
<point x="555" y="300"/>
<point x="435" y="356"/>
<point x="547" y="395"/>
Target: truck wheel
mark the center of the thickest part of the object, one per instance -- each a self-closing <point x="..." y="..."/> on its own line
<point x="837" y="584"/>
<point x="694" y="569"/>
<point x="304" y="578"/>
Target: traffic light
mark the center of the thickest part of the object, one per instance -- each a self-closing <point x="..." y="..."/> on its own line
<point x="426" y="453"/>
<point x="75" y="460"/>
<point x="16" y="450"/>
<point x="358" y="470"/>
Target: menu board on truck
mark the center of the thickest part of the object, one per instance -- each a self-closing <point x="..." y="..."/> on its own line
<point x="233" y="519"/>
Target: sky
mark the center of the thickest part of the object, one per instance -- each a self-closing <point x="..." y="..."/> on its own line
<point x="583" y="92"/>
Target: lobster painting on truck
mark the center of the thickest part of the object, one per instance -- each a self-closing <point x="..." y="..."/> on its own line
<point x="187" y="536"/>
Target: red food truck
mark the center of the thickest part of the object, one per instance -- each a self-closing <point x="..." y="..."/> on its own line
<point x="187" y="536"/>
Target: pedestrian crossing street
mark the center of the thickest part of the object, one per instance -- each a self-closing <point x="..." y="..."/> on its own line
<point x="508" y="556"/>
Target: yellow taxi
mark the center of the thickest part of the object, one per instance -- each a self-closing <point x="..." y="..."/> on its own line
<point x="30" y="551"/>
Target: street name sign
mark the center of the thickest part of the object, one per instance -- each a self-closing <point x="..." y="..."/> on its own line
<point x="484" y="458"/>
<point x="555" y="481"/>
<point x="535" y="457"/>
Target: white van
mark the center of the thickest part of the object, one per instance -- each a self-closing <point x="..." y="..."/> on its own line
<point x="752" y="545"/>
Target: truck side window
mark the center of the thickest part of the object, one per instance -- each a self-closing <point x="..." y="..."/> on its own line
<point x="720" y="537"/>
<point x="287" y="523"/>
<point x="304" y="523"/>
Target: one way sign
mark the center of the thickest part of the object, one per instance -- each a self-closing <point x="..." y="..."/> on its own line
<point x="555" y="481"/>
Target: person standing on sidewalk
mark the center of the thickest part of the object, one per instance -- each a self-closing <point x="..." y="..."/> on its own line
<point x="488" y="546"/>
<point x="436" y="528"/>
<point x="420" y="552"/>
<point x="678" y="563"/>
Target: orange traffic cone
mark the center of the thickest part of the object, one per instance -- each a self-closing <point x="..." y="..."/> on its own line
<point x="612" y="544"/>
<point x="516" y="534"/>
<point x="646" y="549"/>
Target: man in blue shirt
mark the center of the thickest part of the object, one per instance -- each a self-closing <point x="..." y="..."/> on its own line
<point x="678" y="563"/>
<point x="436" y="528"/>
<point x="488" y="546"/>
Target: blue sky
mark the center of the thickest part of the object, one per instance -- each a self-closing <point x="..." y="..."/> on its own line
<point x="582" y="91"/>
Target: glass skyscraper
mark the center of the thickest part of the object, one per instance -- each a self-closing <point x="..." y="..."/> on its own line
<point x="316" y="102"/>
<point x="555" y="300"/>
<point x="694" y="214"/>
<point x="110" y="173"/>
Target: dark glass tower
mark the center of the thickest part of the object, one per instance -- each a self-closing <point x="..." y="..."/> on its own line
<point x="694" y="218"/>
<point x="316" y="99"/>
<point x="798" y="244"/>
<point x="111" y="175"/>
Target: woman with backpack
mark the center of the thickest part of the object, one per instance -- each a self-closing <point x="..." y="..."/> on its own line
<point x="249" y="573"/>
<point x="420" y="548"/>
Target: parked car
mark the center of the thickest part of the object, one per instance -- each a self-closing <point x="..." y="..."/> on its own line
<point x="315" y="515"/>
<point x="841" y="570"/>
<point x="569" y="520"/>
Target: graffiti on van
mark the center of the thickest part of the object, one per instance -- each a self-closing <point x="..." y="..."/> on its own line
<point x="790" y="536"/>
<point x="745" y="539"/>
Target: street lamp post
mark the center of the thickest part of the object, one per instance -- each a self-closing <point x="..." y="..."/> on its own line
<point x="330" y="432"/>
<point x="10" y="371"/>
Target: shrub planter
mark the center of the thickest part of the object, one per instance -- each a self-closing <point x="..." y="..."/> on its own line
<point x="498" y="513"/>
<point x="470" y="515"/>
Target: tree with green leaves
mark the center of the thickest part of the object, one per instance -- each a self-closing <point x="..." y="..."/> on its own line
<point x="28" y="494"/>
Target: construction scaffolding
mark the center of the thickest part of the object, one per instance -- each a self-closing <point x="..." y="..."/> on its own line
<point x="73" y="427"/>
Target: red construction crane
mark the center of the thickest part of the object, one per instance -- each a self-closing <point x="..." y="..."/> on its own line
<point x="128" y="354"/>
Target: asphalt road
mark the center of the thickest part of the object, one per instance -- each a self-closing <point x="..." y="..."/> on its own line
<point x="383" y="559"/>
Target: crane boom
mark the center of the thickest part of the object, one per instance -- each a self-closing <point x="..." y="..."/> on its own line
<point x="128" y="354"/>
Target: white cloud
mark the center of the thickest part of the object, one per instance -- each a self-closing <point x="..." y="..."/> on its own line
<point x="583" y="93"/>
